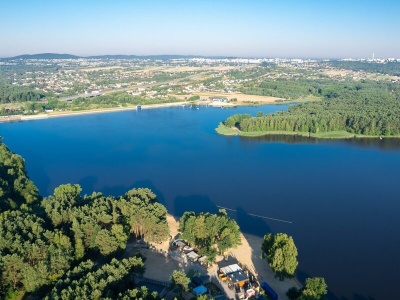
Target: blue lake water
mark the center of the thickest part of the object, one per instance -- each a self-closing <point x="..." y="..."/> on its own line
<point x="342" y="197"/>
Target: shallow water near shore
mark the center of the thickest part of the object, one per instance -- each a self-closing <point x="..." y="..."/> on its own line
<point x="341" y="197"/>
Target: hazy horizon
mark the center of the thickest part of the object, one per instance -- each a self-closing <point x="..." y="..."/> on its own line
<point x="201" y="56"/>
<point x="267" y="29"/>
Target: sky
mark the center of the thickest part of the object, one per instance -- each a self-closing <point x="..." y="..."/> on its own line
<point x="252" y="28"/>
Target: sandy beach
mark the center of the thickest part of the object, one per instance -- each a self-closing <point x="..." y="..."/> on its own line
<point x="56" y="114"/>
<point x="249" y="254"/>
<point x="243" y="100"/>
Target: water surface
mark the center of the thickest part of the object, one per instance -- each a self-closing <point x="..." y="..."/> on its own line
<point x="342" y="197"/>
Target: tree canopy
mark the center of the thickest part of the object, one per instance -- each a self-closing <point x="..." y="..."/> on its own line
<point x="180" y="281"/>
<point x="16" y="190"/>
<point x="11" y="94"/>
<point x="281" y="254"/>
<point x="210" y="232"/>
<point x="49" y="247"/>
<point x="89" y="281"/>
<point x="314" y="289"/>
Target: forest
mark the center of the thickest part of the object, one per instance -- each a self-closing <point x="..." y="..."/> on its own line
<point x="388" y="68"/>
<point x="68" y="244"/>
<point x="12" y="94"/>
<point x="363" y="108"/>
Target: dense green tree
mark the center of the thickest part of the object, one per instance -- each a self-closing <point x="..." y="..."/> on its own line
<point x="87" y="281"/>
<point x="281" y="254"/>
<point x="210" y="232"/>
<point x="141" y="293"/>
<point x="16" y="190"/>
<point x="146" y="217"/>
<point x="194" y="98"/>
<point x="13" y="268"/>
<point x="180" y="281"/>
<point x="32" y="256"/>
<point x="235" y="120"/>
<point x="314" y="289"/>
<point x="59" y="205"/>
<point x="12" y="94"/>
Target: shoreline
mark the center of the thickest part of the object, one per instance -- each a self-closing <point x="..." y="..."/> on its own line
<point x="95" y="111"/>
<point x="332" y="135"/>
<point x="41" y="116"/>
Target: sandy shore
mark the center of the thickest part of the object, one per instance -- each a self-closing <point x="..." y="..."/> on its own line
<point x="249" y="254"/>
<point x="258" y="100"/>
<point x="95" y="111"/>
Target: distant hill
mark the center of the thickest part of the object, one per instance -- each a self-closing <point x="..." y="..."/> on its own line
<point x="45" y="56"/>
<point x="69" y="56"/>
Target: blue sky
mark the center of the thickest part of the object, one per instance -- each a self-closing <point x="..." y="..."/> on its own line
<point x="252" y="28"/>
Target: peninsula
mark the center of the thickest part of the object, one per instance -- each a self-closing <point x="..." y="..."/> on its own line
<point x="347" y="110"/>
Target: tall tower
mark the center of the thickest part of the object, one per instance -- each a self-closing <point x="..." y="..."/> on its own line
<point x="373" y="56"/>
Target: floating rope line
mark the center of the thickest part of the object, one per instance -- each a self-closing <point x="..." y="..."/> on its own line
<point x="258" y="216"/>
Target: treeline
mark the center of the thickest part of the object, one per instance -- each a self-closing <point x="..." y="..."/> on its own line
<point x="108" y="101"/>
<point x="120" y="99"/>
<point x="290" y="89"/>
<point x="388" y="68"/>
<point x="13" y="94"/>
<point x="65" y="244"/>
<point x="16" y="190"/>
<point x="368" y="108"/>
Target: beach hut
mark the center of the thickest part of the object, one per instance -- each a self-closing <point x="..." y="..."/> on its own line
<point x="238" y="278"/>
<point x="230" y="269"/>
<point x="235" y="274"/>
<point x="180" y="244"/>
<point x="193" y="256"/>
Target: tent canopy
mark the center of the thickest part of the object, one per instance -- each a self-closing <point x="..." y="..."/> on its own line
<point x="192" y="255"/>
<point x="231" y="269"/>
<point x="200" y="290"/>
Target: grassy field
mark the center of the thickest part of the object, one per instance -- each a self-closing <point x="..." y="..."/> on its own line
<point x="225" y="130"/>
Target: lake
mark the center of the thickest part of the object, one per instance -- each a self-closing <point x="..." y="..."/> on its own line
<point x="342" y="197"/>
